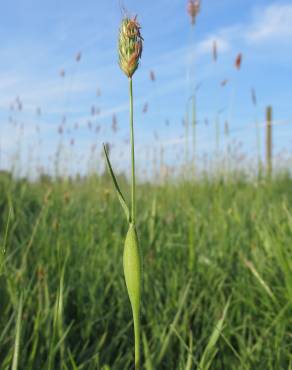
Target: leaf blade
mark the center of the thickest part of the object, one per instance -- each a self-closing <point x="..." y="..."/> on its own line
<point x="116" y="185"/>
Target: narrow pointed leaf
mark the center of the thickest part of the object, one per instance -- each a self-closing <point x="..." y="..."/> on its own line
<point x="148" y="360"/>
<point x="17" y="336"/>
<point x="211" y="350"/>
<point x="167" y="338"/>
<point x="118" y="190"/>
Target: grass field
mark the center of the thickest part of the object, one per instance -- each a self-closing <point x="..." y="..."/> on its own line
<point x="217" y="260"/>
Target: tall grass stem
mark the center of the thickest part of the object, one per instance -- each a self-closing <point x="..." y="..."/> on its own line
<point x="133" y="190"/>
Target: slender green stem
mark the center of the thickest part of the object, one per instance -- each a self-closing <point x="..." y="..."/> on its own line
<point x="133" y="189"/>
<point x="136" y="313"/>
<point x="136" y="318"/>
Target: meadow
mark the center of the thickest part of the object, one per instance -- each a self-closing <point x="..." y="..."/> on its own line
<point x="217" y="274"/>
<point x="199" y="273"/>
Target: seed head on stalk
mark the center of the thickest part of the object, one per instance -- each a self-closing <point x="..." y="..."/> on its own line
<point x="130" y="46"/>
<point x="193" y="9"/>
<point x="238" y="61"/>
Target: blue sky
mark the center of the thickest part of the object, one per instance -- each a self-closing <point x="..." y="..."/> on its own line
<point x="40" y="39"/>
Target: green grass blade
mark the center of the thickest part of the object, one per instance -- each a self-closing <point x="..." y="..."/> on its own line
<point x="148" y="361"/>
<point x="17" y="336"/>
<point x="261" y="281"/>
<point x="190" y="357"/>
<point x="175" y="321"/>
<point x="118" y="190"/>
<point x="211" y="350"/>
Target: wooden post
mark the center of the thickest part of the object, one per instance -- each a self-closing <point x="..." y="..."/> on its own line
<point x="187" y="136"/>
<point x="269" y="140"/>
<point x="194" y="123"/>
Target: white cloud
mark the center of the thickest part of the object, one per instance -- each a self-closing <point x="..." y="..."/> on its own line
<point x="274" y="22"/>
<point x="271" y="23"/>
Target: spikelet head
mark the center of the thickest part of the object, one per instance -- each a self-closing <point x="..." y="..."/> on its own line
<point x="130" y="46"/>
<point x="193" y="9"/>
<point x="238" y="61"/>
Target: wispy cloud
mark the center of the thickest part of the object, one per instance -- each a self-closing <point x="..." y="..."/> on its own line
<point x="271" y="23"/>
